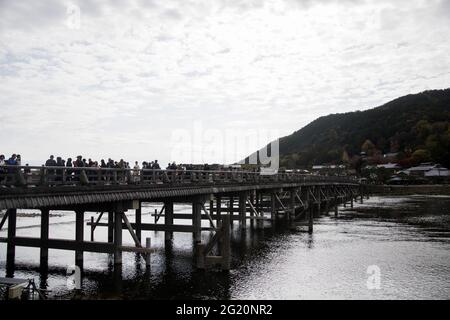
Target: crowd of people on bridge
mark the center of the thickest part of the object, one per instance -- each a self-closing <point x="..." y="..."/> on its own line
<point x="133" y="172"/>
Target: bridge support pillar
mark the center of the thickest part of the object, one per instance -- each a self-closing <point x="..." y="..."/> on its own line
<point x="310" y="212"/>
<point x="242" y="209"/>
<point x="197" y="220"/>
<point x="45" y="214"/>
<point x="138" y="221"/>
<point x="230" y="206"/>
<point x="351" y="202"/>
<point x="291" y="212"/>
<point x="319" y="200"/>
<point x="273" y="206"/>
<point x="118" y="237"/>
<point x="11" y="247"/>
<point x="361" y="193"/>
<point x="168" y="219"/>
<point x="336" y="204"/>
<point x="79" y="237"/>
<point x="225" y="244"/>
<point x="218" y="208"/>
<point x="110" y="226"/>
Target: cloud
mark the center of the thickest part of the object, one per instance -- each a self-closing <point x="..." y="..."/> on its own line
<point x="133" y="72"/>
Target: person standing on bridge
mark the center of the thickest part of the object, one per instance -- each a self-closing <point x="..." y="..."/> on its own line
<point x="136" y="170"/>
<point x="51" y="162"/>
<point x="69" y="172"/>
<point x="2" y="170"/>
<point x="51" y="172"/>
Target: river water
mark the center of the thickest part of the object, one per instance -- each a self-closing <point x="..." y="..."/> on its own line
<point x="387" y="248"/>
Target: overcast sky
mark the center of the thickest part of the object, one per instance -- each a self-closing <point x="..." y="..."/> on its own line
<point x="203" y="81"/>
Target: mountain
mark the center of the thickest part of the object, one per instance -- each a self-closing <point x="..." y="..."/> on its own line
<point x="412" y="129"/>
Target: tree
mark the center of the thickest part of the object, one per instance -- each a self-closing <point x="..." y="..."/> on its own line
<point x="421" y="155"/>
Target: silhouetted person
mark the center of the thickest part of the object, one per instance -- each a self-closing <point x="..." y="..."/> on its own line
<point x="51" y="163"/>
<point x="59" y="173"/>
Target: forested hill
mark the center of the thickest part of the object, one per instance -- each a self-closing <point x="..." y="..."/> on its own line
<point x="414" y="127"/>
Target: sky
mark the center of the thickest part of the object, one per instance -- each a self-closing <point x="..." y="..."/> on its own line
<point x="203" y="81"/>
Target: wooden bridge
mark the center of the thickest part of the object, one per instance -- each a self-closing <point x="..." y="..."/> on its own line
<point x="220" y="197"/>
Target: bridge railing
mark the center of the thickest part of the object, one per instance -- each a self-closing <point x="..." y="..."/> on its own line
<point x="31" y="176"/>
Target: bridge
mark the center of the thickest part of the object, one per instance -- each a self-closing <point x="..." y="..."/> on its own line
<point x="220" y="198"/>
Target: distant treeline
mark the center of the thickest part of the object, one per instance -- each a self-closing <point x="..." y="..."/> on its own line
<point x="414" y="128"/>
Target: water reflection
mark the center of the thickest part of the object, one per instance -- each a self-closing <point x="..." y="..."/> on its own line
<point x="408" y="237"/>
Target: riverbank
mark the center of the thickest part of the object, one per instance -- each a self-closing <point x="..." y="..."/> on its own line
<point x="394" y="190"/>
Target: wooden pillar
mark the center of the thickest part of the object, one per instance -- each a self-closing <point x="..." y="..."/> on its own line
<point x="243" y="209"/>
<point x="45" y="214"/>
<point x="310" y="214"/>
<point x="336" y="204"/>
<point x="257" y="201"/>
<point x="351" y="202"/>
<point x="319" y="200"/>
<point x="138" y="222"/>
<point x="327" y="200"/>
<point x="230" y="206"/>
<point x="148" y="244"/>
<point x="11" y="246"/>
<point x="292" y="202"/>
<point x="273" y="206"/>
<point x="218" y="208"/>
<point x="168" y="219"/>
<point x="225" y="245"/>
<point x="361" y="193"/>
<point x="110" y="226"/>
<point x="252" y="201"/>
<point x="211" y="207"/>
<point x="79" y="237"/>
<point x="118" y="236"/>
<point x="197" y="220"/>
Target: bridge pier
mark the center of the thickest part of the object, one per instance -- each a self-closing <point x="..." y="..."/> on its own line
<point x="11" y="246"/>
<point x="319" y="201"/>
<point x="197" y="220"/>
<point x="138" y="221"/>
<point x="118" y="236"/>
<point x="242" y="209"/>
<point x="310" y="212"/>
<point x="110" y="226"/>
<point x="336" y="204"/>
<point x="273" y="206"/>
<point x="218" y="209"/>
<point x="168" y="219"/>
<point x="291" y="211"/>
<point x="79" y="237"/>
<point x="45" y="214"/>
<point x="230" y="207"/>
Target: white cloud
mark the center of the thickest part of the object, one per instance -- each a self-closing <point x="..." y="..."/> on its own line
<point x="134" y="71"/>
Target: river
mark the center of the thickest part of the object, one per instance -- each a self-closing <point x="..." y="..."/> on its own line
<point x="406" y="240"/>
